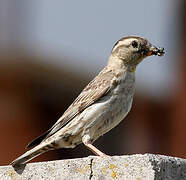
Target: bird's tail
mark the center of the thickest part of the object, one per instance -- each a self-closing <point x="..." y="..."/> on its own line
<point x="36" y="151"/>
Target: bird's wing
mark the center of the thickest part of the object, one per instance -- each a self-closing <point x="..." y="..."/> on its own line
<point x="98" y="87"/>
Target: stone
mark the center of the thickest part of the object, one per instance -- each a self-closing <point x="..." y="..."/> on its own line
<point x="128" y="167"/>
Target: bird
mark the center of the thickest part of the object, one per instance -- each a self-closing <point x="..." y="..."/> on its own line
<point x="101" y="105"/>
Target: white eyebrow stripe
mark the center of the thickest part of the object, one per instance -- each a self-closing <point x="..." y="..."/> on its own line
<point x="124" y="42"/>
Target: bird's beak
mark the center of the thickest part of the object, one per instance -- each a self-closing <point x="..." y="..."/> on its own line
<point x="155" y="51"/>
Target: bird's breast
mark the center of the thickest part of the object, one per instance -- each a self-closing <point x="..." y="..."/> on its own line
<point x="122" y="96"/>
<point x="125" y="84"/>
<point x="116" y="106"/>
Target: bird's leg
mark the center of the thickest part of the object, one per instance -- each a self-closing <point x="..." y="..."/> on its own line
<point x="95" y="150"/>
<point x="87" y="142"/>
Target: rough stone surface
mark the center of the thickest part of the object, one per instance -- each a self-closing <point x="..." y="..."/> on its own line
<point x="133" y="167"/>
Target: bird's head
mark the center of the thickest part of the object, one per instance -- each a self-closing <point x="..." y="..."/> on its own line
<point x="132" y="50"/>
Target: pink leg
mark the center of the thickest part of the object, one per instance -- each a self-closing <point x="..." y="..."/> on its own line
<point x="96" y="151"/>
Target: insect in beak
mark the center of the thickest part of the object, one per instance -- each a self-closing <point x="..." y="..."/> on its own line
<point x="155" y="51"/>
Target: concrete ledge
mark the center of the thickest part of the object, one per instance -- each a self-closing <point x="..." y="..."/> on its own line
<point x="133" y="167"/>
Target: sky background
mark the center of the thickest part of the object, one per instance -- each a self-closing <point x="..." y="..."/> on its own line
<point x="86" y="31"/>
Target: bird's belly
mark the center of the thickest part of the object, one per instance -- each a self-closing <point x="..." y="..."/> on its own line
<point x="96" y="120"/>
<point x="117" y="111"/>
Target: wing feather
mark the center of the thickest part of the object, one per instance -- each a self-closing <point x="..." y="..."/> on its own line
<point x="98" y="87"/>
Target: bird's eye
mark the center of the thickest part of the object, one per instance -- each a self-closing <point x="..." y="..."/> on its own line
<point x="134" y="44"/>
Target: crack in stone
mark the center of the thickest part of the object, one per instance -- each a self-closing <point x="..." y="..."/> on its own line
<point x="91" y="170"/>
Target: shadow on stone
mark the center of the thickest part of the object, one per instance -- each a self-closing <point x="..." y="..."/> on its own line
<point x="169" y="168"/>
<point x="20" y="168"/>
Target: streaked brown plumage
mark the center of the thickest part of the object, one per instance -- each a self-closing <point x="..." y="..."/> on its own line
<point x="103" y="103"/>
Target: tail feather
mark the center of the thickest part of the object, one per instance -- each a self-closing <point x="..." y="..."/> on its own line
<point x="38" y="140"/>
<point x="36" y="151"/>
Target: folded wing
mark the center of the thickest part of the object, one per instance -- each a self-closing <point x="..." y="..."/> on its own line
<point x="98" y="87"/>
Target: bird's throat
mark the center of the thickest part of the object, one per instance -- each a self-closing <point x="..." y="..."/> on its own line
<point x="119" y="65"/>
